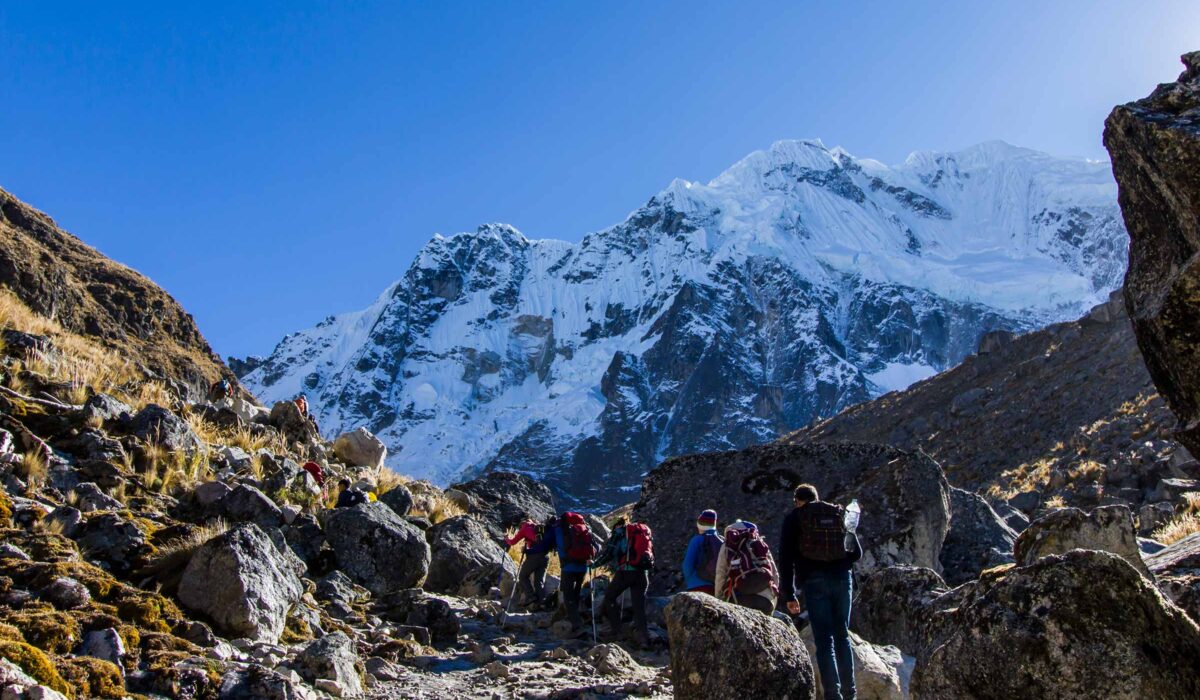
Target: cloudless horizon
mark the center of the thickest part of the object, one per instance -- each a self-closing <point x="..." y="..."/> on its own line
<point x="272" y="163"/>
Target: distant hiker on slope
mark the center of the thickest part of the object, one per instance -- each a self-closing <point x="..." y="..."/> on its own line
<point x="746" y="572"/>
<point x="531" y="579"/>
<point x="700" y="561"/>
<point x="817" y="551"/>
<point x="576" y="547"/>
<point x="630" y="551"/>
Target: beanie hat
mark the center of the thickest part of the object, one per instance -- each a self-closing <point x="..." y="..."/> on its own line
<point x="708" y="518"/>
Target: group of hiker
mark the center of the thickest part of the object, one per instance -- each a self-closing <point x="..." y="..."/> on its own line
<point x="818" y="547"/>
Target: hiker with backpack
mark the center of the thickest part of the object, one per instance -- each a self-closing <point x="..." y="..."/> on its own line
<point x="629" y="551"/>
<point x="535" y="557"/>
<point x="746" y="572"/>
<point x="576" y="548"/>
<point x="818" y="549"/>
<point x="700" y="561"/>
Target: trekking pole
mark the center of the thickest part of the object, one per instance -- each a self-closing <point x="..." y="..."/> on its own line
<point x="512" y="593"/>
<point x="592" y="598"/>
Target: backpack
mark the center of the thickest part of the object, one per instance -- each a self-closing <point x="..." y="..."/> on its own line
<point x="751" y="567"/>
<point x="710" y="551"/>
<point x="822" y="535"/>
<point x="577" y="539"/>
<point x="639" y="547"/>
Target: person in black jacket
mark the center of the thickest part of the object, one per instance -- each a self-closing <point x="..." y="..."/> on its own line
<point x="827" y="587"/>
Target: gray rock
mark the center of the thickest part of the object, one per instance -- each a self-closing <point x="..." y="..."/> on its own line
<point x="612" y="660"/>
<point x="708" y="636"/>
<point x="465" y="559"/>
<point x="377" y="548"/>
<point x="105" y="409"/>
<point x="210" y="493"/>
<point x="296" y="428"/>
<point x="880" y="672"/>
<point x="1107" y="529"/>
<point x="104" y="644"/>
<point x="415" y="608"/>
<point x="247" y="504"/>
<point x="500" y="499"/>
<point x="338" y="588"/>
<point x="904" y="496"/>
<point x="332" y="658"/>
<point x="360" y="448"/>
<point x="157" y="425"/>
<point x="65" y="593"/>
<point x="399" y="499"/>
<point x="113" y="540"/>
<point x="1080" y="625"/>
<point x="978" y="538"/>
<point x="1152" y="516"/>
<point x="12" y="551"/>
<point x="257" y="683"/>
<point x="1155" y="149"/>
<point x="904" y="607"/>
<point x="242" y="583"/>
<point x="90" y="498"/>
<point x="305" y="538"/>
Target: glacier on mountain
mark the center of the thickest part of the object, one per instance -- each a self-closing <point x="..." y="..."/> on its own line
<point x="798" y="282"/>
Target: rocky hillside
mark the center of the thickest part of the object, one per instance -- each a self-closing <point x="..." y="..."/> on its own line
<point x="799" y="282"/>
<point x="1064" y="415"/>
<point x="71" y="284"/>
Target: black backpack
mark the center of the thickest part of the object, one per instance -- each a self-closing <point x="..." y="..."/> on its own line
<point x="822" y="535"/>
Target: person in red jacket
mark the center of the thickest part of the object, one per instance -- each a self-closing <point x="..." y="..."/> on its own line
<point x="536" y="557"/>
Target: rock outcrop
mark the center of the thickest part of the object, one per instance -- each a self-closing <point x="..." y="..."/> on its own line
<point x="716" y="647"/>
<point x="1155" y="149"/>
<point x="499" y="499"/>
<point x="1107" y="529"/>
<point x="1177" y="569"/>
<point x="360" y="448"/>
<point x="241" y="582"/>
<point x="978" y="539"/>
<point x="332" y="658"/>
<point x="904" y="497"/>
<point x="377" y="548"/>
<point x="465" y="558"/>
<point x="903" y="606"/>
<point x="1071" y="626"/>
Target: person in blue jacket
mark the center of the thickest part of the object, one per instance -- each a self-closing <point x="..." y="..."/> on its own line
<point x="699" y="563"/>
<point x="571" y="581"/>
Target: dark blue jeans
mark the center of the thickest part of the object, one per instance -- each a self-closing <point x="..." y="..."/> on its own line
<point x="827" y="597"/>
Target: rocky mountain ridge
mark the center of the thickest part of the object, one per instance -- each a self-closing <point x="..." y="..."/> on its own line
<point x="799" y="282"/>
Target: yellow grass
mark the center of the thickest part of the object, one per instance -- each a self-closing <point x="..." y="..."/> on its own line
<point x="388" y="480"/>
<point x="1056" y="502"/>
<point x="1186" y="522"/>
<point x="33" y="469"/>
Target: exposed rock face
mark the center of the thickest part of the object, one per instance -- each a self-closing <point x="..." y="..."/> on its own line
<point x="332" y="657"/>
<point x="716" y="316"/>
<point x="360" y="448"/>
<point x="1067" y="626"/>
<point x="709" y="636"/>
<point x="1033" y="403"/>
<point x="60" y="277"/>
<point x="1155" y="149"/>
<point x="377" y="548"/>
<point x="904" y="497"/>
<point x="241" y="581"/>
<point x="399" y="499"/>
<point x="1108" y="529"/>
<point x="157" y="425"/>
<point x="1177" y="568"/>
<point x="499" y="499"/>
<point x="465" y="559"/>
<point x="978" y="539"/>
<point x="900" y="606"/>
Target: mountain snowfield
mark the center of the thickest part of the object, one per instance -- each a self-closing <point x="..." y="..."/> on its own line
<point x="798" y="282"/>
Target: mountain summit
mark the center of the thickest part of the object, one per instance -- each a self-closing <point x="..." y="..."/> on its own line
<point x="798" y="282"/>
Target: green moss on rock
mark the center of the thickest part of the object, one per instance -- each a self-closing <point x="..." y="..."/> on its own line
<point x="39" y="666"/>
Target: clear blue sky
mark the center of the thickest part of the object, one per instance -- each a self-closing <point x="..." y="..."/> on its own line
<point x="272" y="163"/>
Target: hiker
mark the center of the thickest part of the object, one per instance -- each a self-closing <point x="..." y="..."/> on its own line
<point x="535" y="558"/>
<point x="301" y="402"/>
<point x="817" y="553"/>
<point x="746" y="572"/>
<point x="349" y="496"/>
<point x="700" y="562"/>
<point x="630" y="551"/>
<point x="219" y="391"/>
<point x="576" y="547"/>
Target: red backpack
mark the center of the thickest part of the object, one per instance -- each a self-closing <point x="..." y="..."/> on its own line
<point x="639" y="547"/>
<point x="577" y="539"/>
<point x="751" y="567"/>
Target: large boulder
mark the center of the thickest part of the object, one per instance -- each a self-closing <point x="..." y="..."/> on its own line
<point x="978" y="539"/>
<point x="415" y="608"/>
<point x="242" y="583"/>
<point x="718" y="648"/>
<point x="904" y="497"/>
<point x="1178" y="570"/>
<point x="465" y="559"/>
<point x="1081" y="625"/>
<point x="399" y="499"/>
<point x="244" y="503"/>
<point x="1107" y="529"/>
<point x="904" y="607"/>
<point x="332" y="658"/>
<point x="377" y="548"/>
<point x="1155" y="149"/>
<point x="360" y="448"/>
<point x="157" y="425"/>
<point x="295" y="426"/>
<point x="499" y="499"/>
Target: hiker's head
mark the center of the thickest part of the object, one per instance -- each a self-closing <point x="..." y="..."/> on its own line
<point x="621" y="522"/>
<point x="707" y="520"/>
<point x="805" y="493"/>
<point x="343" y="483"/>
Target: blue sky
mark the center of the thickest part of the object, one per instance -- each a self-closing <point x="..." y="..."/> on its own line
<point x="270" y="163"/>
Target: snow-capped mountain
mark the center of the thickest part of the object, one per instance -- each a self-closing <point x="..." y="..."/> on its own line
<point x="798" y="282"/>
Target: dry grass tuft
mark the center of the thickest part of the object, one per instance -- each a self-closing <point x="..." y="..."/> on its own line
<point x="389" y="480"/>
<point x="1185" y="523"/>
<point x="33" y="469"/>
